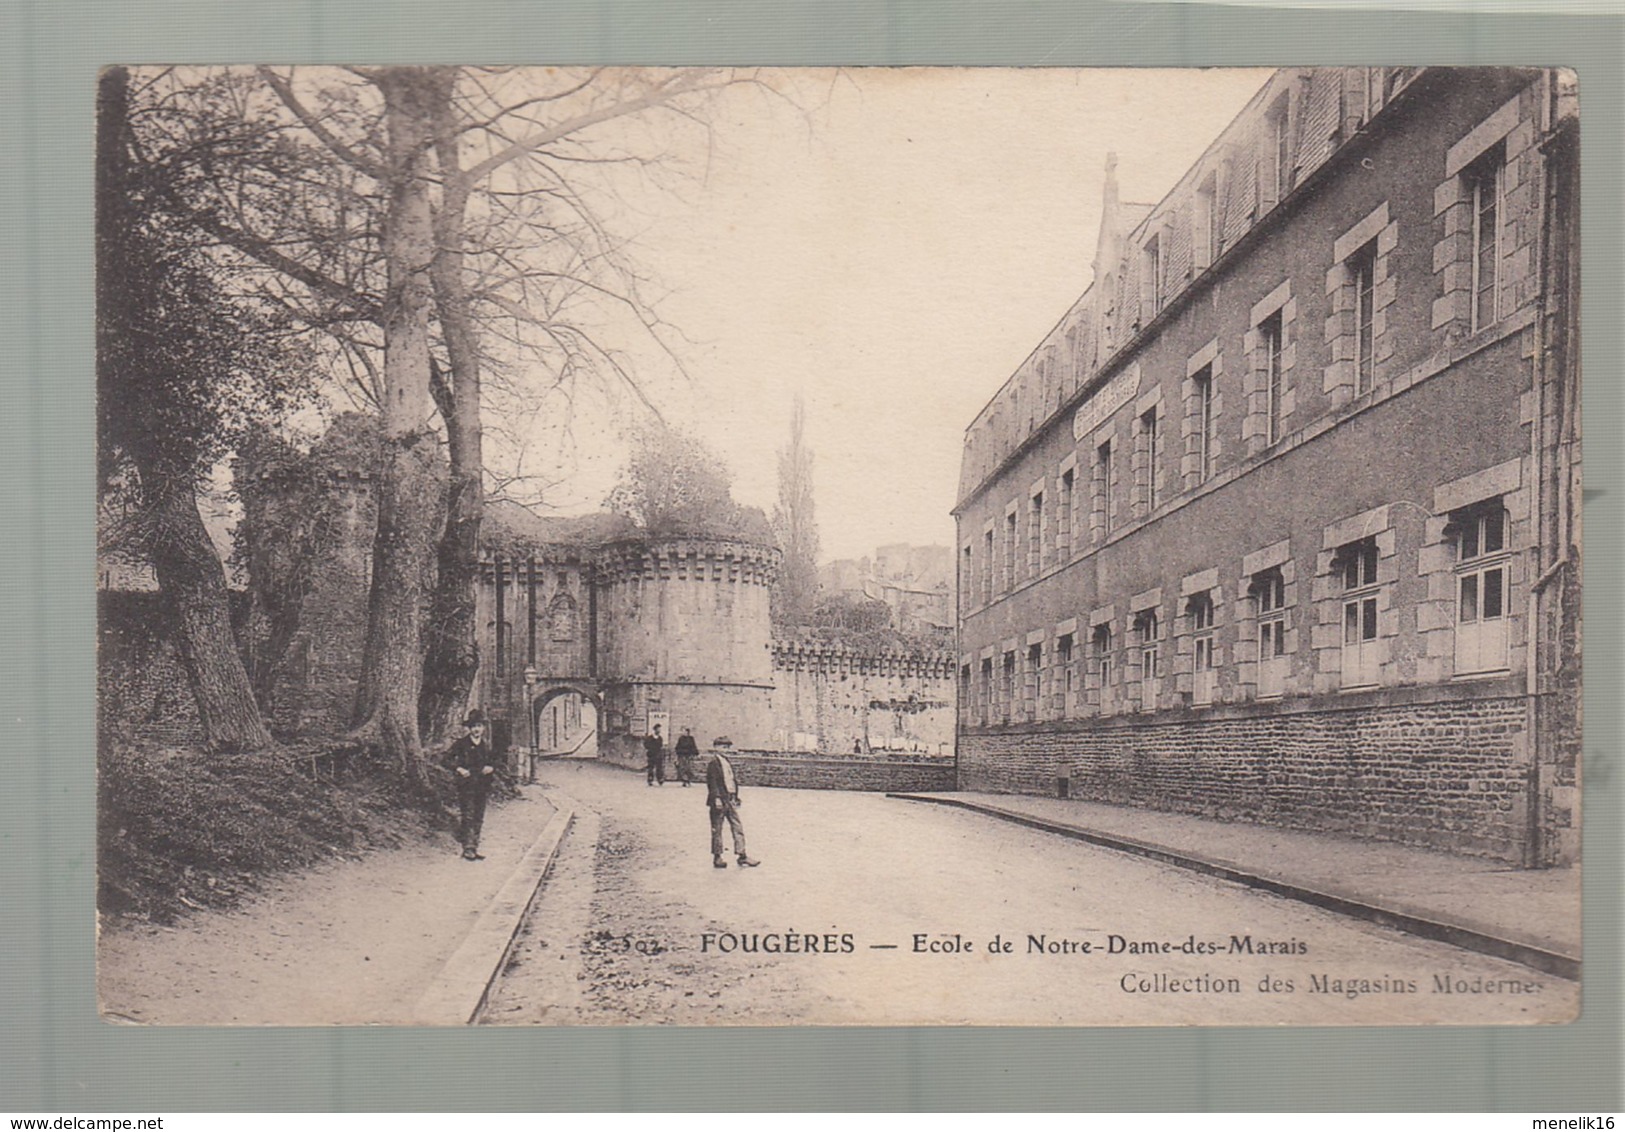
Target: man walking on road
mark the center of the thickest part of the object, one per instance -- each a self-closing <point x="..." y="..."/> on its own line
<point x="722" y="798"/>
<point x="473" y="765"/>
<point x="687" y="750"/>
<point x="654" y="757"/>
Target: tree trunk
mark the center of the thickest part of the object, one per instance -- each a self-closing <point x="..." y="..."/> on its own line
<point x="392" y="665"/>
<point x="452" y="657"/>
<point x="193" y="584"/>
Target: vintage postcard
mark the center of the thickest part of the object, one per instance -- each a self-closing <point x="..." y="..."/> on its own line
<point x="613" y="546"/>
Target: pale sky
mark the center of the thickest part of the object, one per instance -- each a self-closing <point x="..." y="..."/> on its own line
<point x="893" y="258"/>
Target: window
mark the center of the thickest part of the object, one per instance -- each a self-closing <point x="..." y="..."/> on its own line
<point x="1362" y="269"/>
<point x="987" y="690"/>
<point x="1103" y="476"/>
<point x="1152" y="440"/>
<point x="1484" y="180"/>
<point x="987" y="566"/>
<point x="1103" y="664"/>
<point x="1370" y="92"/>
<point x="1199" y="608"/>
<point x="1063" y="517"/>
<point x="1356" y="565"/>
<point x="965" y="701"/>
<point x="1065" y="691"/>
<point x="1007" y="690"/>
<point x="1148" y="635"/>
<point x="1010" y="550"/>
<point x="1269" y="345"/>
<point x="1275" y="162"/>
<point x="1268" y="591"/>
<point x="1481" y="588"/>
<point x="1032" y="690"/>
<point x="1204" y="225"/>
<point x="1283" y="152"/>
<point x="966" y="577"/>
<point x="1153" y="276"/>
<point x="1035" y="534"/>
<point x="1205" y="447"/>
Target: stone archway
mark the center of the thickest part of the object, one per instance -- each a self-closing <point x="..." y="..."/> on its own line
<point x="544" y="696"/>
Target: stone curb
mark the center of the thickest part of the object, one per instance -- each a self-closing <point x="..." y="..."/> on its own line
<point x="1530" y="955"/>
<point x="457" y="994"/>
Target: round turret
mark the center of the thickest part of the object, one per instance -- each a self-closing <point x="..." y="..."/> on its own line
<point x="686" y="637"/>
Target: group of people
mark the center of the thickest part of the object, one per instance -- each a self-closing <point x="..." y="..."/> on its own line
<point x="473" y="764"/>
<point x="654" y="757"/>
<point x="721" y="789"/>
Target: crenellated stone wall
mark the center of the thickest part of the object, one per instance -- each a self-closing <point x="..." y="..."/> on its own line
<point x="833" y="699"/>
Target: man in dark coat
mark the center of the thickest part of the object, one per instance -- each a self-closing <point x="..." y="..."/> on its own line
<point x="654" y="757"/>
<point x="473" y="766"/>
<point x="722" y="799"/>
<point x="687" y="751"/>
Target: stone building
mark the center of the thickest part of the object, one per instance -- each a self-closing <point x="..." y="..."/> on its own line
<point x="589" y="635"/>
<point x="671" y="631"/>
<point x="677" y="631"/>
<point x="914" y="582"/>
<point x="1280" y="523"/>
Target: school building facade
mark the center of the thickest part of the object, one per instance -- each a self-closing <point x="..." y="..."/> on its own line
<point x="1281" y="522"/>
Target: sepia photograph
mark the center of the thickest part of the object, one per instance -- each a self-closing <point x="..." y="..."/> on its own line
<point x="929" y="546"/>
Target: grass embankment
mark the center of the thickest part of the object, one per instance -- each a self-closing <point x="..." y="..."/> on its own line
<point x="180" y="829"/>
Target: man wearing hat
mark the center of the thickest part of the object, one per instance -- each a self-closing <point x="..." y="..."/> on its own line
<point x="473" y="765"/>
<point x="722" y="799"/>
<point x="654" y="758"/>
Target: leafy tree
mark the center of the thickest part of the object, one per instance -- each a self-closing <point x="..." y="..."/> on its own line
<point x="860" y="623"/>
<point x="673" y="485"/>
<point x="184" y="372"/>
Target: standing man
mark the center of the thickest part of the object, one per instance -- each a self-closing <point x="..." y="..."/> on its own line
<point x="654" y="758"/>
<point x="472" y="765"/>
<point x="722" y="798"/>
<point x="687" y="750"/>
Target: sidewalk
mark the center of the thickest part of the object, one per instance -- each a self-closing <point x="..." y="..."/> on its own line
<point x="406" y="936"/>
<point x="1529" y="916"/>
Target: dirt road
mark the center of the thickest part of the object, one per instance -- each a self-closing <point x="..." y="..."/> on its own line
<point x="868" y="910"/>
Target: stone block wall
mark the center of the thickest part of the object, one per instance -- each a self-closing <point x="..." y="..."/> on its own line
<point x="1448" y="773"/>
<point x="877" y="773"/>
<point x="852" y="773"/>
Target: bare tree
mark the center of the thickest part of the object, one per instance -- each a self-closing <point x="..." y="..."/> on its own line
<point x="413" y="214"/>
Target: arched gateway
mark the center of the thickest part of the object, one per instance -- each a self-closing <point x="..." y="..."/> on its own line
<point x="643" y="631"/>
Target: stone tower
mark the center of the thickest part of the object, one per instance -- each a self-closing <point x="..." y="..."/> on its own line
<point x="685" y="640"/>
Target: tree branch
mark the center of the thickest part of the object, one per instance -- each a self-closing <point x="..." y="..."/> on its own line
<point x="690" y="82"/>
<point x="323" y="134"/>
